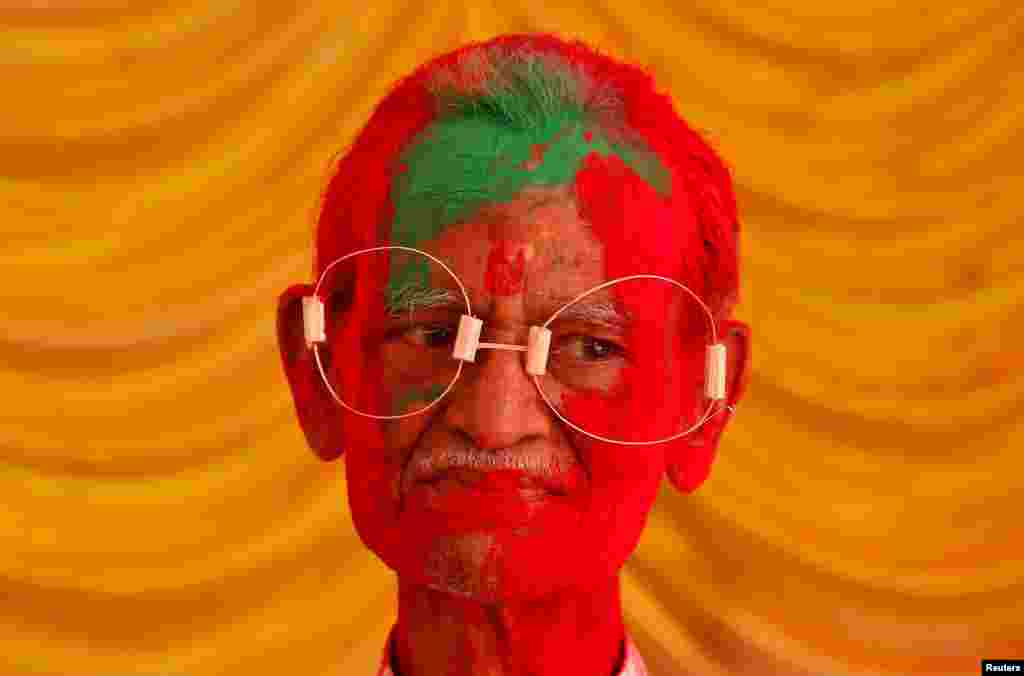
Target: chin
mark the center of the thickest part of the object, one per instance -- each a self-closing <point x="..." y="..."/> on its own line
<point x="503" y="566"/>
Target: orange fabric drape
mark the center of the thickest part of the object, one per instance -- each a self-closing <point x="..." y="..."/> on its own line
<point x="161" y="168"/>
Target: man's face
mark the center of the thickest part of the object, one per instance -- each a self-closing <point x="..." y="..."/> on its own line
<point x="508" y="535"/>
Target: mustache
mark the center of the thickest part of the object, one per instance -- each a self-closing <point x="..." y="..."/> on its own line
<point x="534" y="461"/>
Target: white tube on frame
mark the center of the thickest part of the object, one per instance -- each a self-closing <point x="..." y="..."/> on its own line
<point x="537" y="351"/>
<point x="313" y="320"/>
<point x="714" y="382"/>
<point x="468" y="339"/>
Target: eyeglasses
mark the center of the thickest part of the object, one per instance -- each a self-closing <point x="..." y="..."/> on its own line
<point x="406" y="317"/>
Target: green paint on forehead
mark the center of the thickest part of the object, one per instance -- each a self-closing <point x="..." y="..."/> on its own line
<point x="460" y="164"/>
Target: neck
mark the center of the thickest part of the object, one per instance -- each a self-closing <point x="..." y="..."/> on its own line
<point x="571" y="632"/>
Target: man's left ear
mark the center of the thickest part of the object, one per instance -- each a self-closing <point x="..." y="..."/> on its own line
<point x="689" y="463"/>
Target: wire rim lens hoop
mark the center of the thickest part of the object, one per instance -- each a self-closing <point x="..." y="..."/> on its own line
<point x="316" y="352"/>
<point x="714" y="339"/>
<point x="536" y="380"/>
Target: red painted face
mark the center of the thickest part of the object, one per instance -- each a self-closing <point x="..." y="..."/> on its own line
<point x="574" y="517"/>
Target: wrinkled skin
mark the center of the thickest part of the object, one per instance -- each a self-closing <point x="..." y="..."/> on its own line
<point x="522" y="582"/>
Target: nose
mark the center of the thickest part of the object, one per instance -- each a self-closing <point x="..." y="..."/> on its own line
<point x="495" y="401"/>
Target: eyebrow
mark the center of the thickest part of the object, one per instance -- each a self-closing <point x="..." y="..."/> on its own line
<point x="595" y="311"/>
<point x="591" y="311"/>
<point x="415" y="297"/>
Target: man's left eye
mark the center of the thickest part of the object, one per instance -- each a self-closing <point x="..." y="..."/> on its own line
<point x="588" y="348"/>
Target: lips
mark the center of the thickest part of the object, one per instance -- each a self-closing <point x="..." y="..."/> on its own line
<point x="494" y="479"/>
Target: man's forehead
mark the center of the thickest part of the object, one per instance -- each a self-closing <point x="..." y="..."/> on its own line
<point x="526" y="204"/>
<point x="540" y="238"/>
<point x="540" y="260"/>
<point x="534" y="213"/>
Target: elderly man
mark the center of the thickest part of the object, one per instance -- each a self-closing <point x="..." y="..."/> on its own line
<point x="525" y="269"/>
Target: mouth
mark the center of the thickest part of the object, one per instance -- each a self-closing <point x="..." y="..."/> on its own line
<point x="454" y="490"/>
<point x="494" y="485"/>
<point x="461" y="500"/>
<point x="454" y="478"/>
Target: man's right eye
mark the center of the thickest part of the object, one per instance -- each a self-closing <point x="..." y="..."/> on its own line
<point x="430" y="336"/>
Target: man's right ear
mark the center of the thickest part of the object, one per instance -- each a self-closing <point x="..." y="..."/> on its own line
<point x="320" y="417"/>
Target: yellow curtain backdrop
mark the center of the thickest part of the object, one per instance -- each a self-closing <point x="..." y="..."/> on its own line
<point x="160" y="168"/>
